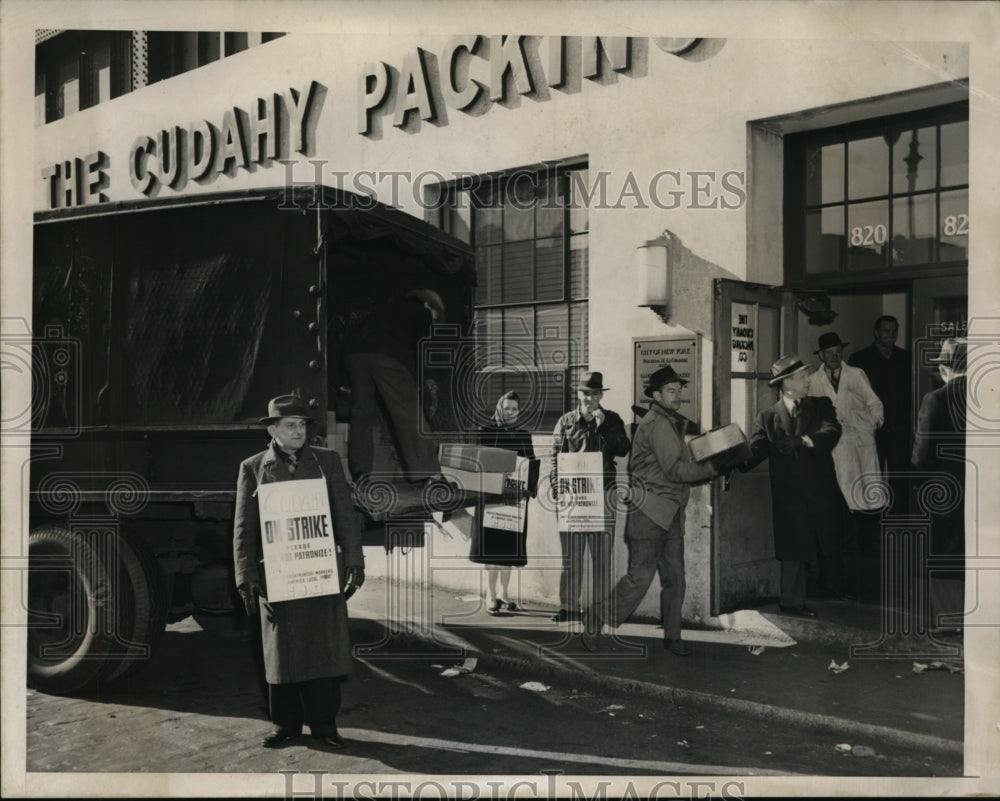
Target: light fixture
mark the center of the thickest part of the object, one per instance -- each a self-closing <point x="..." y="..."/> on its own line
<point x="653" y="263"/>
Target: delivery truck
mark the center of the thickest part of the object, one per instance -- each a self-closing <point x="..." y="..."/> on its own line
<point x="160" y="329"/>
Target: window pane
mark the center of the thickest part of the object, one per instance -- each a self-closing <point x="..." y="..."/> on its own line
<point x="768" y="337"/>
<point x="519" y="210"/>
<point x="914" y="161"/>
<point x="955" y="154"/>
<point x="578" y="266"/>
<point x="739" y="409"/>
<point x="552" y="336"/>
<point x="913" y="230"/>
<point x="824" y="239"/>
<point x="954" y="232"/>
<point x="488" y="335"/>
<point x="517" y="283"/>
<point x="825" y="174"/>
<point x="553" y="399"/>
<point x="489" y="218"/>
<point x="460" y="217"/>
<point x="867" y="168"/>
<point x="868" y="235"/>
<point x="579" y="349"/>
<point x="578" y="211"/>
<point x="549" y="269"/>
<point x="489" y="275"/>
<point x="519" y="337"/>
<point x="550" y="211"/>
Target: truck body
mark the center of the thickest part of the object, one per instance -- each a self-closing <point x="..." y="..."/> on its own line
<point x="161" y="330"/>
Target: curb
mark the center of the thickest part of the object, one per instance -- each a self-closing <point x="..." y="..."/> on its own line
<point x="756" y="709"/>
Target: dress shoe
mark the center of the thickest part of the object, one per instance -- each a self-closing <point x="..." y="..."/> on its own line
<point x="564" y="616"/>
<point x="331" y="740"/>
<point x="278" y="738"/>
<point x="798" y="611"/>
<point x="677" y="647"/>
<point x="494" y="608"/>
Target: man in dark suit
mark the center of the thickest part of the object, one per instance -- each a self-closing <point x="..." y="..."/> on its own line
<point x="798" y="434"/>
<point x="306" y="642"/>
<point x="940" y="446"/>
<point x="890" y="373"/>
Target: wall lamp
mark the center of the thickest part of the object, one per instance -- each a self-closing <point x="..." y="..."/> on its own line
<point x="654" y="262"/>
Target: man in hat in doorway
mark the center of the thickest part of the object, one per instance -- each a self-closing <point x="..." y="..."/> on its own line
<point x="662" y="472"/>
<point x="890" y="373"/>
<point x="860" y="414"/>
<point x="588" y="428"/>
<point x="940" y="446"/>
<point x="798" y="434"/>
<point x="306" y="642"/>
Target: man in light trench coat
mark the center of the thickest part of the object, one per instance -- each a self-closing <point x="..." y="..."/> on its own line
<point x="307" y="650"/>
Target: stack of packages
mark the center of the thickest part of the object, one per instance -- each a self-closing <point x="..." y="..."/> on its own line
<point x="491" y="471"/>
<point x="724" y="448"/>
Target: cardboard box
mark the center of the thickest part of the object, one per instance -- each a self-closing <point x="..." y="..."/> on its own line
<point x="722" y="447"/>
<point x="471" y="481"/>
<point x="477" y="458"/>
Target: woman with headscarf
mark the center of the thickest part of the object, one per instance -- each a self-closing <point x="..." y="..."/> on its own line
<point x="499" y="549"/>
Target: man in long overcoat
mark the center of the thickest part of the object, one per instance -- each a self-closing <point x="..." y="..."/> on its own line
<point x="306" y="644"/>
<point x="798" y="434"/>
<point x="939" y="447"/>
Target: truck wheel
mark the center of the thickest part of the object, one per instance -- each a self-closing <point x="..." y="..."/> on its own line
<point x="142" y="605"/>
<point x="68" y="611"/>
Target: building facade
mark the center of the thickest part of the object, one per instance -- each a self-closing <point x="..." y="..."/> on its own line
<point x="631" y="202"/>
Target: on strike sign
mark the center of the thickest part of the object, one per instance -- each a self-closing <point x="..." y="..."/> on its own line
<point x="300" y="555"/>
<point x="580" y="491"/>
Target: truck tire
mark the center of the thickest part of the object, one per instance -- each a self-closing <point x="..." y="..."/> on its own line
<point x="142" y="603"/>
<point x="69" y="611"/>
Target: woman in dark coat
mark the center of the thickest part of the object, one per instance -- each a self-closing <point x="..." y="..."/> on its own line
<point x="496" y="548"/>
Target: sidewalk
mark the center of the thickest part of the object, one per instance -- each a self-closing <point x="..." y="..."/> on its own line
<point x="762" y="664"/>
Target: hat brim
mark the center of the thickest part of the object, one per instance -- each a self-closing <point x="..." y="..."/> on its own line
<point x="789" y="374"/>
<point x="835" y="344"/>
<point x="648" y="391"/>
<point x="591" y="389"/>
<point x="266" y="421"/>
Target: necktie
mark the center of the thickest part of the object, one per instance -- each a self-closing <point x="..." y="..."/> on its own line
<point x="835" y="380"/>
<point x="795" y="408"/>
<point x="293" y="463"/>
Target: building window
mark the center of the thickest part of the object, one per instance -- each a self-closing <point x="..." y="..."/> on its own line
<point x="75" y="70"/>
<point x="529" y="231"/>
<point x="884" y="195"/>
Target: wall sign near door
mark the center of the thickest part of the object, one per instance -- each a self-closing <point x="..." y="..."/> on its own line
<point x="683" y="355"/>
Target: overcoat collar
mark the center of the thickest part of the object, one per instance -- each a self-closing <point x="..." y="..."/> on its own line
<point x="276" y="468"/>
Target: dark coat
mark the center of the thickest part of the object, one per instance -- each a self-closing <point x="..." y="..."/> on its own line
<point x="806" y="503"/>
<point x="304" y="638"/>
<point x="574" y="434"/>
<point x="940" y="446"/>
<point x="892" y="380"/>
<point x="493" y="546"/>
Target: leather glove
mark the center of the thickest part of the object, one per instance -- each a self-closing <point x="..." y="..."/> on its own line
<point x="788" y="445"/>
<point x="250" y="592"/>
<point x="354" y="577"/>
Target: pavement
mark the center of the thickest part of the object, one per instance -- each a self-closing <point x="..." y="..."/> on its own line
<point x="838" y="673"/>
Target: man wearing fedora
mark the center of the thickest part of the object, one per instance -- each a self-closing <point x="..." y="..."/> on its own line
<point x="940" y="446"/>
<point x="306" y="645"/>
<point x="860" y="414"/>
<point x="661" y="471"/>
<point x="797" y="434"/>
<point x="588" y="428"/>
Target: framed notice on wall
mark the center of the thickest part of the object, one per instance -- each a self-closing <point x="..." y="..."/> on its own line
<point x="684" y="355"/>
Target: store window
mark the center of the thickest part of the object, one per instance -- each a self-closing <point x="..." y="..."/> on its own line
<point x="884" y="195"/>
<point x="529" y="230"/>
<point x="79" y="69"/>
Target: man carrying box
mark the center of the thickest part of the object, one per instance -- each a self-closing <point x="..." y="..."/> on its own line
<point x="662" y="472"/>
